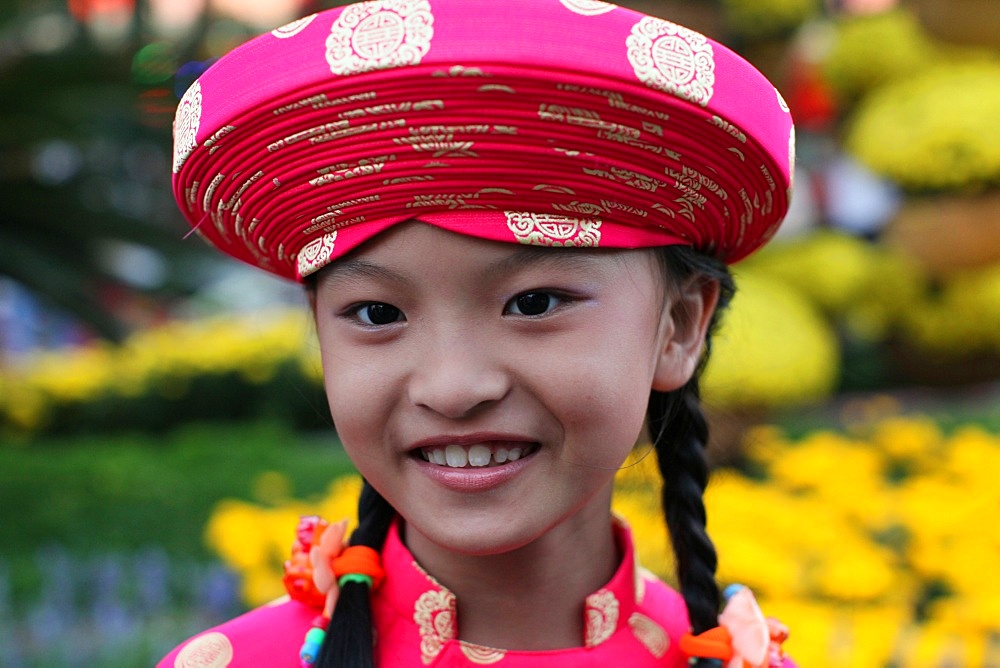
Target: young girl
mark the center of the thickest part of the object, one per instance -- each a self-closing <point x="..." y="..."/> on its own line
<point x="512" y="220"/>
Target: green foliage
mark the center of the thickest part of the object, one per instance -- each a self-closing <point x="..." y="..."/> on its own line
<point x="768" y="19"/>
<point x="106" y="493"/>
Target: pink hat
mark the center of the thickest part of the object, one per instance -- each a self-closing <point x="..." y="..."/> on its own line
<point x="548" y="122"/>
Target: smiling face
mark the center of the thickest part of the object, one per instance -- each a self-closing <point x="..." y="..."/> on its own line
<point x="490" y="391"/>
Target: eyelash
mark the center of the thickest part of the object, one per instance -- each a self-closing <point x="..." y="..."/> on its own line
<point x="355" y="311"/>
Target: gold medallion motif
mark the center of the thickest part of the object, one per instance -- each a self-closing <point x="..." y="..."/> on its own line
<point x="186" y="124"/>
<point x="588" y="7"/>
<point x="650" y="634"/>
<point x="672" y="58"/>
<point x="294" y="28"/>
<point x="316" y="254"/>
<point x="211" y="650"/>
<point x="482" y="656"/>
<point x="434" y="614"/>
<point x="781" y="102"/>
<point x="541" y="229"/>
<point x="380" y="35"/>
<point x="601" y="610"/>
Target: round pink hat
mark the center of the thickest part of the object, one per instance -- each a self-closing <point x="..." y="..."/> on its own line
<point x="571" y="123"/>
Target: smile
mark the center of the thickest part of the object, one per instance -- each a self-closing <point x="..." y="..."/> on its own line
<point x="475" y="456"/>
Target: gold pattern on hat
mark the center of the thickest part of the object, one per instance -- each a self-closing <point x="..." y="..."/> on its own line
<point x="379" y="35"/>
<point x="673" y="59"/>
<point x="210" y="650"/>
<point x="481" y="656"/>
<point x="601" y="611"/>
<point x="294" y="28"/>
<point x="187" y="120"/>
<point x="316" y="254"/>
<point x="588" y="7"/>
<point x="434" y="615"/>
<point x="542" y="229"/>
<point x="650" y="634"/>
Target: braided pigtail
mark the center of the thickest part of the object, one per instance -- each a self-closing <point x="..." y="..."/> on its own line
<point x="349" y="635"/>
<point x="680" y="435"/>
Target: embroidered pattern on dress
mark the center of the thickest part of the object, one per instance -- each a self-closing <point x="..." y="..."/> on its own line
<point x="601" y="614"/>
<point x="380" y="35"/>
<point x="316" y="254"/>
<point x="294" y="28"/>
<point x="434" y="615"/>
<point x="673" y="59"/>
<point x="211" y="650"/>
<point x="539" y="229"/>
<point x="588" y="7"/>
<point x="650" y="634"/>
<point x="481" y="656"/>
<point x="186" y="124"/>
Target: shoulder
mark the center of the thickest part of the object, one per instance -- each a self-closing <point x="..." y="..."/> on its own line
<point x="268" y="636"/>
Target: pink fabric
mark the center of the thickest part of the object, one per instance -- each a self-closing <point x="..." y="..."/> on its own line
<point x="550" y="122"/>
<point x="635" y="620"/>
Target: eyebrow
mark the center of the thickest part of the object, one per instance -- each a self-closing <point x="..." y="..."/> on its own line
<point x="357" y="267"/>
<point x="535" y="256"/>
<point x="347" y="269"/>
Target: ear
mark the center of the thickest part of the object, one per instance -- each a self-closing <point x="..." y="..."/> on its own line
<point x="686" y="321"/>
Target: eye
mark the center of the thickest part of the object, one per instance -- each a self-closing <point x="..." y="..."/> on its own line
<point x="533" y="303"/>
<point x="374" y="314"/>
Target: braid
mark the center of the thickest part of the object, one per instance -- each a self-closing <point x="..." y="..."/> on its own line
<point x="349" y="634"/>
<point x="680" y="436"/>
<point x="681" y="459"/>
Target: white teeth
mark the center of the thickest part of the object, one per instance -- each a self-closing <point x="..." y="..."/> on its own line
<point x="479" y="455"/>
<point x="455" y="456"/>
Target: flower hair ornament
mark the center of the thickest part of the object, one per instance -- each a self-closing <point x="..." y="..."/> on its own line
<point x="319" y="566"/>
<point x="744" y="638"/>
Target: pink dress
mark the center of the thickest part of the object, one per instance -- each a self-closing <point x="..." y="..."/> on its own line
<point x="634" y="620"/>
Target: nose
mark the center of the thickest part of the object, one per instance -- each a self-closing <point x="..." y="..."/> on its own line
<point x="457" y="376"/>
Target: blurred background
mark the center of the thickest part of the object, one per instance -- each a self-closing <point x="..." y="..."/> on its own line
<point x="162" y="424"/>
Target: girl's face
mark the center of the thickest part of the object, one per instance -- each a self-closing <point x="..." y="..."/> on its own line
<point x="490" y="391"/>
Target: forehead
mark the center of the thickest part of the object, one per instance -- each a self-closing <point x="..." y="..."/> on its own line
<point x="416" y="250"/>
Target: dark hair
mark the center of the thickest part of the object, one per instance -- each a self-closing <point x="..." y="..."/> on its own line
<point x="680" y="435"/>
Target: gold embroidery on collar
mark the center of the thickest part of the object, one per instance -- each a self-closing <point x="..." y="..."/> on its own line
<point x="434" y="615"/>
<point x="481" y="656"/>
<point x="211" y="650"/>
<point x="650" y="634"/>
<point x="601" y="610"/>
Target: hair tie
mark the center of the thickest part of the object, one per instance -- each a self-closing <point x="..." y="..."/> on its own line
<point x="359" y="563"/>
<point x="743" y="634"/>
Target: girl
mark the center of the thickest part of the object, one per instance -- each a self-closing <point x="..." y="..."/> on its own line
<point x="512" y="220"/>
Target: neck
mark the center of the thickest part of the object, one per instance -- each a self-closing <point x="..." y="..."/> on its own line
<point x="531" y="598"/>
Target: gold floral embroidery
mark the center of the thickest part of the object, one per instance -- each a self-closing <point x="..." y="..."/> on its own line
<point x="588" y="7"/>
<point x="672" y="58"/>
<point x="294" y="28"/>
<point x="211" y="650"/>
<point x="187" y="120"/>
<point x="554" y="230"/>
<point x="434" y="614"/>
<point x="650" y="634"/>
<point x="601" y="610"/>
<point x="315" y="254"/>
<point x="380" y="35"/>
<point x="482" y="656"/>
